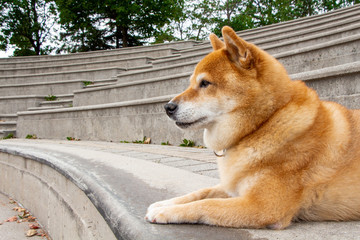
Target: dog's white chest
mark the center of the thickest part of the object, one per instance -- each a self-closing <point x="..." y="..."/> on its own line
<point x="243" y="186"/>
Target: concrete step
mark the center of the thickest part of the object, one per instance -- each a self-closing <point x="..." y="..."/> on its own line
<point x="112" y="185"/>
<point x="8" y="117"/>
<point x="150" y="51"/>
<point x="7" y="125"/>
<point x="88" y="75"/>
<point x="13" y="104"/>
<point x="128" y="62"/>
<point x="42" y="88"/>
<point x="134" y="119"/>
<point x="11" y="133"/>
<point x="57" y="103"/>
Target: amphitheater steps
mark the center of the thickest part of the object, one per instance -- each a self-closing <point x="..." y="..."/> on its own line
<point x="133" y="119"/>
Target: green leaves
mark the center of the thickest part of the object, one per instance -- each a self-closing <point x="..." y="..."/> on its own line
<point x="25" y="25"/>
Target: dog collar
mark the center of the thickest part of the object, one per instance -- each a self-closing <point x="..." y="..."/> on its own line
<point x="220" y="153"/>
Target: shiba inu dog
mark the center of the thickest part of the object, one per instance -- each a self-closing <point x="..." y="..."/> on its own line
<point x="287" y="155"/>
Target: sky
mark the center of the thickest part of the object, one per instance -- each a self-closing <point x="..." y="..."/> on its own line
<point x="8" y="53"/>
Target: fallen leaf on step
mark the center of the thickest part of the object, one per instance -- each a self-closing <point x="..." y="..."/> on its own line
<point x="34" y="226"/>
<point x="19" y="209"/>
<point x="147" y="140"/>
<point x="31" y="232"/>
<point x="12" y="219"/>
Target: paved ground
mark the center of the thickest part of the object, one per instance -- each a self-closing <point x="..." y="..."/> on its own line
<point x="10" y="229"/>
<point x="141" y="174"/>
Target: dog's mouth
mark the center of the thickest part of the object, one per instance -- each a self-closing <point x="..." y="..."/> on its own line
<point x="184" y="125"/>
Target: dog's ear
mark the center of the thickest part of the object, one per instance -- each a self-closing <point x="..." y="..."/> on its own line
<point x="216" y="43"/>
<point x="237" y="48"/>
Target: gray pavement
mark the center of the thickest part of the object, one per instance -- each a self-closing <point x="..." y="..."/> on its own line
<point x="121" y="180"/>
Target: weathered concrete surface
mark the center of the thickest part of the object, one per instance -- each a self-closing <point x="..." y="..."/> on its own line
<point x="120" y="181"/>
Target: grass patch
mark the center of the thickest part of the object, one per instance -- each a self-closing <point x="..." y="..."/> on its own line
<point x="72" y="139"/>
<point x="187" y="143"/>
<point x="87" y="83"/>
<point x="50" y="98"/>
<point x="144" y="141"/>
<point x="9" y="136"/>
<point x="31" y="136"/>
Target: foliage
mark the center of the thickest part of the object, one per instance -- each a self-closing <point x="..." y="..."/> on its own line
<point x="165" y="143"/>
<point x="89" y="25"/>
<point x="187" y="143"/>
<point x="72" y="139"/>
<point x="50" y="98"/>
<point x="31" y="136"/>
<point x="26" y="25"/>
<point x="93" y="25"/>
<point x="10" y="135"/>
<point x="144" y="141"/>
<point x="86" y="83"/>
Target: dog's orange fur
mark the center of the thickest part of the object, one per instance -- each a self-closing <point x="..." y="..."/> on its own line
<point x="289" y="156"/>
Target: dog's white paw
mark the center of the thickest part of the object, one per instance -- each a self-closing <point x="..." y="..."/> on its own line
<point x="164" y="203"/>
<point x="156" y="215"/>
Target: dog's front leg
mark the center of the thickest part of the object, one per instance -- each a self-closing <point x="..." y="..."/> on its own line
<point x="212" y="192"/>
<point x="230" y="212"/>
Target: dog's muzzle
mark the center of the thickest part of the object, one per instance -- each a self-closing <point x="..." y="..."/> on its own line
<point x="171" y="108"/>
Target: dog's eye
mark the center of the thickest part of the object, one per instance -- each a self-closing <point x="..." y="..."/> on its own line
<point x="204" y="84"/>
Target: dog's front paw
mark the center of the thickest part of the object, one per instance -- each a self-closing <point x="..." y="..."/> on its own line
<point x="160" y="204"/>
<point x="158" y="215"/>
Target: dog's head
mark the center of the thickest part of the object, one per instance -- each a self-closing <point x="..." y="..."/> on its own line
<point x="229" y="88"/>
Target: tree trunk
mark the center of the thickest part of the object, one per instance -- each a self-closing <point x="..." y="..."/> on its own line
<point x="125" y="39"/>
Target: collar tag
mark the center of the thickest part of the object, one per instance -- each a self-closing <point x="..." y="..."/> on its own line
<point x="220" y="153"/>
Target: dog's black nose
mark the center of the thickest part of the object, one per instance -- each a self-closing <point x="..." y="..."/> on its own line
<point x="170" y="108"/>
